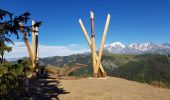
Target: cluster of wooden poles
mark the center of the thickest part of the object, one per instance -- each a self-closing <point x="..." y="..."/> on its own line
<point x="33" y="52"/>
<point x="98" y="70"/>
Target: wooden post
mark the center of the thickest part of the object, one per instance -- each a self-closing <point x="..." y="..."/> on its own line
<point x="33" y="42"/>
<point x="93" y="43"/>
<point x="89" y="43"/>
<point x="36" y="45"/>
<point x="103" y="42"/>
<point x="26" y="42"/>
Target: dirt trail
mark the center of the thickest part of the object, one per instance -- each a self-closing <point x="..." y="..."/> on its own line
<point x="111" y="89"/>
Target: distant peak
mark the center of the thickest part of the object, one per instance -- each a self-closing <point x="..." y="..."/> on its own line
<point x="137" y="48"/>
<point x="117" y="44"/>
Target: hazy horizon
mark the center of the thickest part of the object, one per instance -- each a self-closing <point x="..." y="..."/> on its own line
<point x="20" y="50"/>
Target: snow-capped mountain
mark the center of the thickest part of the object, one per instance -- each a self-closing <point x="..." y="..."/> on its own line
<point x="115" y="47"/>
<point x="135" y="48"/>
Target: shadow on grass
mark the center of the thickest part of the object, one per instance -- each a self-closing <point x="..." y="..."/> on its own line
<point x="45" y="89"/>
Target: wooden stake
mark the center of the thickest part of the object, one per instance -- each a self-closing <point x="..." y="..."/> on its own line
<point x="26" y="42"/>
<point x="93" y="43"/>
<point x="89" y="43"/>
<point x="36" y="45"/>
<point x="85" y="33"/>
<point x="33" y="42"/>
<point x="103" y="42"/>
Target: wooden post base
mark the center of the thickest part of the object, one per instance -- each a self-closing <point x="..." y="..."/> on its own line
<point x="99" y="74"/>
<point x="95" y="75"/>
<point x="104" y="74"/>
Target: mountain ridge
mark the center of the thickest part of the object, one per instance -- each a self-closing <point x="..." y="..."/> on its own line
<point x="137" y="48"/>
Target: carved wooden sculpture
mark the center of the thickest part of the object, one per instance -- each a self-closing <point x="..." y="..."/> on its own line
<point x="97" y="66"/>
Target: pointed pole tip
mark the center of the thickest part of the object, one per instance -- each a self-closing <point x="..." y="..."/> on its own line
<point x="108" y="15"/>
<point x="91" y="14"/>
<point x="79" y="19"/>
<point x="33" y="22"/>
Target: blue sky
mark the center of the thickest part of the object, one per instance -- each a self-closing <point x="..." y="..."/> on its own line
<point x="131" y="20"/>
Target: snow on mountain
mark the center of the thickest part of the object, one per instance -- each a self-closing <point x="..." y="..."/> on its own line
<point x="118" y="44"/>
<point x="135" y="48"/>
<point x="115" y="47"/>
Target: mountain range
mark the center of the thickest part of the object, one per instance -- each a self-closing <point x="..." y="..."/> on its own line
<point x="136" y="48"/>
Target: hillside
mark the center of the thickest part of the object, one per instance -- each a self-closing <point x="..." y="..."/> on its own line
<point x="109" y="61"/>
<point x="111" y="89"/>
<point x="147" y="68"/>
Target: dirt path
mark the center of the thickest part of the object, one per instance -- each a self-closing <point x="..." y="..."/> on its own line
<point x="111" y="89"/>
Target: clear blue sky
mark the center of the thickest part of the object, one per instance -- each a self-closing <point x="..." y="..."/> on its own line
<point x="131" y="20"/>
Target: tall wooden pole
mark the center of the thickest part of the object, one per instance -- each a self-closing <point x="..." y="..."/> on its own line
<point x="33" y="42"/>
<point x="103" y="42"/>
<point x="93" y="43"/>
<point x="89" y="43"/>
<point x="36" y="45"/>
<point x="26" y="42"/>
